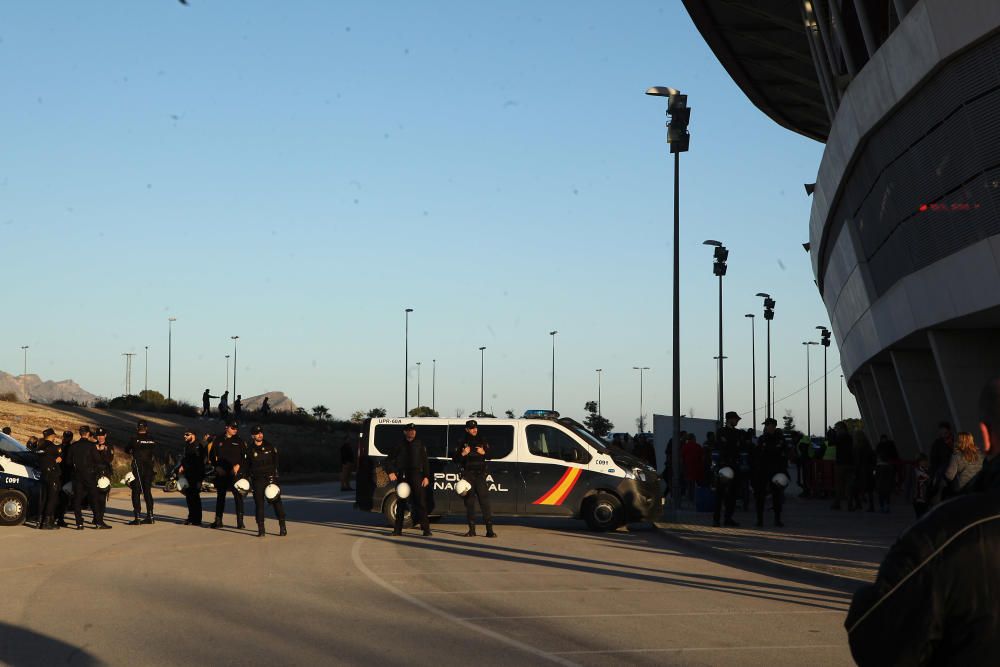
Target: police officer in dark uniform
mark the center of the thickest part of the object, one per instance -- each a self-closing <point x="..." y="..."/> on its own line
<point x="80" y="456"/>
<point x="49" y="457"/>
<point x="193" y="468"/>
<point x="471" y="458"/>
<point x="141" y="449"/>
<point x="408" y="463"/>
<point x="262" y="459"/>
<point x="101" y="456"/>
<point x="66" y="479"/>
<point x="229" y="454"/>
<point x="728" y="444"/>
<point x="768" y="459"/>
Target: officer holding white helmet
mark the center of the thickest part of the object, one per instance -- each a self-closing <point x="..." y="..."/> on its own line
<point x="192" y="467"/>
<point x="471" y="458"/>
<point x="101" y="456"/>
<point x="728" y="443"/>
<point x="408" y="463"/>
<point x="228" y="456"/>
<point x="768" y="463"/>
<point x="262" y="459"/>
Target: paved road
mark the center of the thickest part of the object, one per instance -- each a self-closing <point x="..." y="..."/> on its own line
<point x="339" y="590"/>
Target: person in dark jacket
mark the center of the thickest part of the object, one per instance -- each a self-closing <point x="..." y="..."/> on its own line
<point x="84" y="477"/>
<point x="193" y="468"/>
<point x="101" y="457"/>
<point x="844" y="471"/>
<point x="729" y="444"/>
<point x="346" y="463"/>
<point x="767" y="459"/>
<point x="934" y="600"/>
<point x="228" y="456"/>
<point x="864" y="478"/>
<point x="471" y="458"/>
<point x="66" y="479"/>
<point x="50" y="456"/>
<point x="206" y="406"/>
<point x="262" y="461"/>
<point x="408" y="463"/>
<point x="141" y="449"/>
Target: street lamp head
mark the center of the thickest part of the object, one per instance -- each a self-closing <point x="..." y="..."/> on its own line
<point x="598" y="369"/>
<point x="171" y="319"/>
<point x="662" y="91"/>
<point x="764" y="294"/>
<point x="821" y="327"/>
<point x="409" y="310"/>
<point x="553" y="333"/>
<point x="235" y="337"/>
<point x="750" y="315"/>
<point x="711" y="242"/>
<point x="482" y="348"/>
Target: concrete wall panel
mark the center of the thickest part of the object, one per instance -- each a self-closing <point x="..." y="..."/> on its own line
<point x="965" y="360"/>
<point x="923" y="394"/>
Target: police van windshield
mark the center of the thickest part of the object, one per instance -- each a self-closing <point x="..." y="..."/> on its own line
<point x="9" y="444"/>
<point x="582" y="431"/>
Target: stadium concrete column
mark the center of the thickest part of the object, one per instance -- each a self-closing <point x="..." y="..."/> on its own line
<point x="894" y="408"/>
<point x="965" y="361"/>
<point x="872" y="412"/>
<point x="923" y="394"/>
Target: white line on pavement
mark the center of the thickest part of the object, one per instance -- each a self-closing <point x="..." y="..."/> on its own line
<point x="690" y="649"/>
<point x="527" y="648"/>
<point x="652" y="614"/>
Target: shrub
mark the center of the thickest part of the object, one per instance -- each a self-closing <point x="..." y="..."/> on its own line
<point x="68" y="402"/>
<point x="8" y="396"/>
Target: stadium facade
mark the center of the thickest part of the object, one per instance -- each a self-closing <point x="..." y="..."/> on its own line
<point x="904" y="233"/>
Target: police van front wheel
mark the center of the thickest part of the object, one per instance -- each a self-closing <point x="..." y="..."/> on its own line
<point x="13" y="508"/>
<point x="603" y="512"/>
<point x="389" y="510"/>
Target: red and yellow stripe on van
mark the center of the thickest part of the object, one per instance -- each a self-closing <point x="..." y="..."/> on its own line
<point x="557" y="494"/>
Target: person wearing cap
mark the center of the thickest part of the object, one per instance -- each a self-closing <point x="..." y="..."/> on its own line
<point x="408" y="462"/>
<point x="262" y="460"/>
<point x="229" y="453"/>
<point x="193" y="468"/>
<point x="65" y="477"/>
<point x="471" y="457"/>
<point x="767" y="459"/>
<point x="84" y="480"/>
<point x="102" y="454"/>
<point x="49" y="457"/>
<point x="728" y="444"/>
<point x="934" y="599"/>
<point x="141" y="449"/>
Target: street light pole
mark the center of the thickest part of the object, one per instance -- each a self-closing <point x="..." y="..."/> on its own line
<point x="769" y="304"/>
<point x="807" y="343"/>
<point x="24" y="348"/>
<point x="234" y="338"/>
<point x="406" y="362"/>
<point x="825" y="342"/>
<point x="753" y="368"/>
<point x="482" y="376"/>
<point x="553" y="334"/>
<point x="678" y="137"/>
<point x="145" y="380"/>
<point x="642" y="424"/>
<point x="721" y="254"/>
<point x="227" y="372"/>
<point x="599" y="391"/>
<point x="434" y="371"/>
<point x="841" y="399"/>
<point x="418" y="385"/>
<point x="170" y="353"/>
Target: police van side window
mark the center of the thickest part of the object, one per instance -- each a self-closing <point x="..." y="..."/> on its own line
<point x="435" y="439"/>
<point x="552" y="443"/>
<point x="500" y="438"/>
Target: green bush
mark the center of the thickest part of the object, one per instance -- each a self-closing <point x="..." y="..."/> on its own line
<point x="9" y="396"/>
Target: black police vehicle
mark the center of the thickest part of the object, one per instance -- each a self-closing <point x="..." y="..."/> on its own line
<point x="19" y="482"/>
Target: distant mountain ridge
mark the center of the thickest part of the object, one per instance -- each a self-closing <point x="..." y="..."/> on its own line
<point x="32" y="388"/>
<point x="278" y="402"/>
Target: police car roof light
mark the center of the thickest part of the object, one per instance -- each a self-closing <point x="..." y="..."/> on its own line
<point x="540" y="414"/>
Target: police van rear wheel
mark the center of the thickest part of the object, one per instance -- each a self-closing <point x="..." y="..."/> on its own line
<point x="13" y="508"/>
<point x="603" y="512"/>
<point x="391" y="503"/>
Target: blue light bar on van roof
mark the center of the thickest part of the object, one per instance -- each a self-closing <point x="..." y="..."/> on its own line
<point x="540" y="414"/>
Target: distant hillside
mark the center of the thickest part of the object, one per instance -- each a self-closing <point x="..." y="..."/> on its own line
<point x="31" y="388"/>
<point x="278" y="402"/>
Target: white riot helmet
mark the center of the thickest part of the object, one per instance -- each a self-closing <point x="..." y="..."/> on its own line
<point x="129" y="479"/>
<point x="182" y="483"/>
<point x="403" y="490"/>
<point x="103" y="482"/>
<point x="68" y="488"/>
<point x="462" y="487"/>
<point x="242" y="486"/>
<point x="271" y="491"/>
<point x="780" y="479"/>
<point x="726" y="473"/>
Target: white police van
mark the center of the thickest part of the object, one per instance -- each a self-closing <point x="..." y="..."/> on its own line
<point x="538" y="466"/>
<point x="19" y="482"/>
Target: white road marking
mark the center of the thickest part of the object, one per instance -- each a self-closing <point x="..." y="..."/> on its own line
<point x="692" y="649"/>
<point x="451" y="618"/>
<point x="655" y="614"/>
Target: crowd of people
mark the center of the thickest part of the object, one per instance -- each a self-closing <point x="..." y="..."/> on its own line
<point x="78" y="473"/>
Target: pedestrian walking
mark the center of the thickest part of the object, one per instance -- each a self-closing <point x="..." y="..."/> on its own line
<point x="224" y="406"/>
<point x="692" y="465"/>
<point x="346" y="463"/>
<point x="471" y="457"/>
<point x="408" y="463"/>
<point x="228" y="457"/>
<point x="49" y="460"/>
<point x="768" y="460"/>
<point x="193" y="468"/>
<point x="141" y="448"/>
<point x="729" y="444"/>
<point x="265" y="407"/>
<point x="262" y="459"/>
<point x="206" y="407"/>
<point x="965" y="464"/>
<point x="238" y="407"/>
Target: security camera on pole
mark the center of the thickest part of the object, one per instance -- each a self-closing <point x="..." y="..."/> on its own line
<point x="825" y="342"/>
<point x="679" y="138"/>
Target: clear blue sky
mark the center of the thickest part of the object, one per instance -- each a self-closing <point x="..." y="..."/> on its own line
<point x="299" y="173"/>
